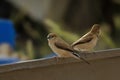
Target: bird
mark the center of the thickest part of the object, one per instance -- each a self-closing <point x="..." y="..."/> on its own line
<point x="88" y="41"/>
<point x="62" y="48"/>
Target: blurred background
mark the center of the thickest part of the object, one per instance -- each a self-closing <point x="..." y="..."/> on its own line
<point x="24" y="25"/>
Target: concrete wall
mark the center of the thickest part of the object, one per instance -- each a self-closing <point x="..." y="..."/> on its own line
<point x="104" y="65"/>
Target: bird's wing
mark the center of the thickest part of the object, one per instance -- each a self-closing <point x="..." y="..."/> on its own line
<point x="83" y="40"/>
<point x="68" y="48"/>
<point x="63" y="46"/>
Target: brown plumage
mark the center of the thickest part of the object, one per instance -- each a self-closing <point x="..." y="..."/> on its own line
<point x="62" y="48"/>
<point x="88" y="41"/>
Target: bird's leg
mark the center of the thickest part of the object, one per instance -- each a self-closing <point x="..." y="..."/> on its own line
<point x="56" y="58"/>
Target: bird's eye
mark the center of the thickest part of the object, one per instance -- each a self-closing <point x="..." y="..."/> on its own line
<point x="51" y="37"/>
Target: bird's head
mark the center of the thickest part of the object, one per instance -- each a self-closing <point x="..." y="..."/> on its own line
<point x="96" y="29"/>
<point x="51" y="36"/>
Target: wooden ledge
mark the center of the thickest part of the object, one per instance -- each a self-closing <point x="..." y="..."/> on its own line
<point x="103" y="54"/>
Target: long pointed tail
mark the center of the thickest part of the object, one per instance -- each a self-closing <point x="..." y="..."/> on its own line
<point x="84" y="60"/>
<point x="77" y="54"/>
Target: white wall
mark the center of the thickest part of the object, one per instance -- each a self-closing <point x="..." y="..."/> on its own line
<point x="37" y="8"/>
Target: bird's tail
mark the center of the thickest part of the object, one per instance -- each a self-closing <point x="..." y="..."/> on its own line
<point x="84" y="60"/>
<point x="77" y="54"/>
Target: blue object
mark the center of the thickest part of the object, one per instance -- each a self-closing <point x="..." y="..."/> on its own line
<point x="7" y="32"/>
<point x="8" y="60"/>
<point x="50" y="55"/>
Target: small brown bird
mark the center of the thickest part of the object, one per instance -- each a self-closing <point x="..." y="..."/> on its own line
<point x="62" y="48"/>
<point x="87" y="42"/>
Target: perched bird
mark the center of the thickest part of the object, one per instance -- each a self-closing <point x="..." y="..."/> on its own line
<point x="62" y="48"/>
<point x="87" y="42"/>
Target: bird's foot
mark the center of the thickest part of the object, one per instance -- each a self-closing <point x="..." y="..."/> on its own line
<point x="58" y="59"/>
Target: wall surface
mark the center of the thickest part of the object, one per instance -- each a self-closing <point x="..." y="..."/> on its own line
<point x="36" y="8"/>
<point x="104" y="65"/>
<point x="41" y="9"/>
